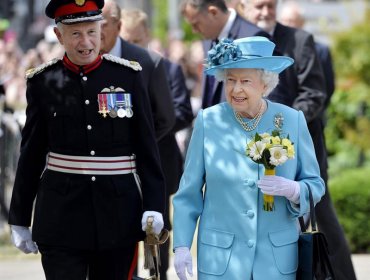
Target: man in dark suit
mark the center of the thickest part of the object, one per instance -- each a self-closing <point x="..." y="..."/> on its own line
<point x="306" y="90"/>
<point x="88" y="157"/>
<point x="133" y="46"/>
<point x="153" y="73"/>
<point x="292" y="15"/>
<point x="135" y="30"/>
<point x="214" y="21"/>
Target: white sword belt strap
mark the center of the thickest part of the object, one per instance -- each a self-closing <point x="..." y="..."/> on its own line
<point x="91" y="165"/>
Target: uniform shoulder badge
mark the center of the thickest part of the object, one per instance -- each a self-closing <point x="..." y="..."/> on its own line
<point x="34" y="71"/>
<point x="132" y="64"/>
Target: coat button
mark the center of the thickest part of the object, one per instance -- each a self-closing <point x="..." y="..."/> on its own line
<point x="93" y="178"/>
<point x="89" y="127"/>
<point x="87" y="102"/>
<point x="250" y="243"/>
<point x="84" y="78"/>
<point x="250" y="214"/>
<point x="249" y="183"/>
<point x="92" y="153"/>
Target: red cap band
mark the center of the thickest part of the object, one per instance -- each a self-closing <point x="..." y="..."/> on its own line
<point x="72" y="8"/>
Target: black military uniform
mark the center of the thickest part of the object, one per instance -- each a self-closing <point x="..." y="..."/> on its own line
<point x="88" y="137"/>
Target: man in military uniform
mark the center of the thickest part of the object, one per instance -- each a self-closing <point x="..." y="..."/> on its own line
<point x="87" y="139"/>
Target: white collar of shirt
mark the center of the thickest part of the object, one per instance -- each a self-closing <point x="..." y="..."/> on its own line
<point x="225" y="31"/>
<point x="272" y="31"/>
<point x="116" y="50"/>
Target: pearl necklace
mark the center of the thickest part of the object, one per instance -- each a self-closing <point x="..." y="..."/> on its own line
<point x="252" y="124"/>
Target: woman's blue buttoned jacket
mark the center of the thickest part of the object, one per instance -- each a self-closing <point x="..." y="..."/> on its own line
<point x="237" y="239"/>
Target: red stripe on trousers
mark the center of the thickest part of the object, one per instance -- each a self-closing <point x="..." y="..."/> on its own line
<point x="134" y="262"/>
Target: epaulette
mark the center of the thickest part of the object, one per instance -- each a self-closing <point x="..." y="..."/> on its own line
<point x="34" y="71"/>
<point x="132" y="64"/>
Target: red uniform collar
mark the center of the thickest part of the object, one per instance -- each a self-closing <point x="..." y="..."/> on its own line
<point x="84" y="68"/>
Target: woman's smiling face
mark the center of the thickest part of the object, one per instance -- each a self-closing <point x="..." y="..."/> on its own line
<point x="244" y="90"/>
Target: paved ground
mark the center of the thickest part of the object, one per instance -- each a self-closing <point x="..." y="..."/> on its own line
<point x="29" y="268"/>
<point x="15" y="265"/>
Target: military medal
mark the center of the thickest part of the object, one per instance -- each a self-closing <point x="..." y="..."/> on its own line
<point x="121" y="112"/>
<point x="113" y="113"/>
<point x="112" y="105"/>
<point x="102" y="100"/>
<point x="115" y="103"/>
<point x="129" y="112"/>
<point x="128" y="105"/>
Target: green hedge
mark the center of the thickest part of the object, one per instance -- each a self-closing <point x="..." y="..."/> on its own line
<point x="350" y="192"/>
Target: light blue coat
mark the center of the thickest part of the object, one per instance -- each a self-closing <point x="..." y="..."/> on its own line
<point x="236" y="238"/>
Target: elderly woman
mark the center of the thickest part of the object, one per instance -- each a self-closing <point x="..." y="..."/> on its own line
<point x="247" y="220"/>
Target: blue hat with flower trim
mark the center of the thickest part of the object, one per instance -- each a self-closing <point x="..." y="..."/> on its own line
<point x="250" y="52"/>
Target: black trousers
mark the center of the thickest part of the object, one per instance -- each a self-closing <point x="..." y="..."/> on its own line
<point x="340" y="254"/>
<point x="72" y="264"/>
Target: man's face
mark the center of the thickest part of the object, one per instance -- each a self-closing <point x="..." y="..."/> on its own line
<point x="291" y="17"/>
<point x="138" y="35"/>
<point x="202" y="22"/>
<point x="81" y="41"/>
<point x="109" y="30"/>
<point x="262" y="13"/>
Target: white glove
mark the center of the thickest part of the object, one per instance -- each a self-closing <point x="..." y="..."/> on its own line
<point x="277" y="185"/>
<point x="157" y="223"/>
<point x="22" y="239"/>
<point x="183" y="259"/>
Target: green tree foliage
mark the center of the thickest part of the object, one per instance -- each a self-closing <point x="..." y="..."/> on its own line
<point x="348" y="128"/>
<point x="160" y="23"/>
<point x="160" y="19"/>
<point x="350" y="194"/>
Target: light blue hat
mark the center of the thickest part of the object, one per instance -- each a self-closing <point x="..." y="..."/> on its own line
<point x="250" y="52"/>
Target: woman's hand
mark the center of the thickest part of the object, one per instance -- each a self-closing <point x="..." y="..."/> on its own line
<point x="183" y="260"/>
<point x="277" y="185"/>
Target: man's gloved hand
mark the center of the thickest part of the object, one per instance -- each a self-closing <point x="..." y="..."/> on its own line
<point x="157" y="222"/>
<point x="277" y="185"/>
<point x="183" y="260"/>
<point x="22" y="239"/>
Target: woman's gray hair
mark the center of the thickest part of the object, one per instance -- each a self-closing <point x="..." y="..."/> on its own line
<point x="270" y="79"/>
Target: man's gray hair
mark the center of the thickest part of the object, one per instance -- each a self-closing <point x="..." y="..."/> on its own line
<point x="115" y="10"/>
<point x="268" y="78"/>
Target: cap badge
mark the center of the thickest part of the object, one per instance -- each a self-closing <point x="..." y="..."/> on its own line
<point x="80" y="2"/>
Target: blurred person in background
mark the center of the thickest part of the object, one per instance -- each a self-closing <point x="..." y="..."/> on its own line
<point x="176" y="50"/>
<point x="214" y="21"/>
<point x="237" y="5"/>
<point x="89" y="160"/>
<point x="192" y="63"/>
<point x="191" y="58"/>
<point x="156" y="45"/>
<point x="12" y="69"/>
<point x="135" y="30"/>
<point x="292" y="14"/>
<point x="153" y="73"/>
<point x="307" y="92"/>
